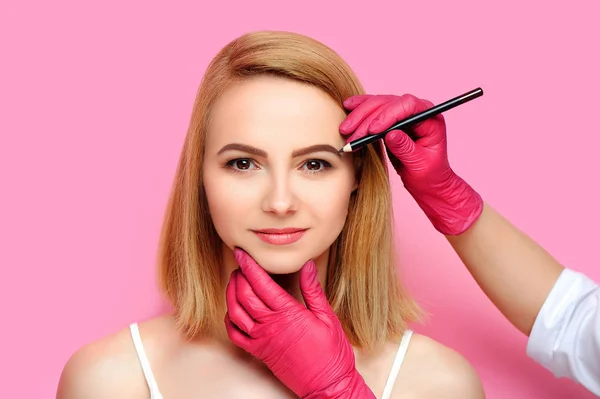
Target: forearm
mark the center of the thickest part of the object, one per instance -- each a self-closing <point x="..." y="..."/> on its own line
<point x="514" y="271"/>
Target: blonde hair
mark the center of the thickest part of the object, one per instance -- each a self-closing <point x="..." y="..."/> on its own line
<point x="362" y="284"/>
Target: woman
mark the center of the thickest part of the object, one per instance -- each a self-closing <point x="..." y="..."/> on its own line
<point x="264" y="212"/>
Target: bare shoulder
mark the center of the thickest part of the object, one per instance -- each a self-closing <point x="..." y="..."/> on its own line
<point x="433" y="370"/>
<point x="106" y="368"/>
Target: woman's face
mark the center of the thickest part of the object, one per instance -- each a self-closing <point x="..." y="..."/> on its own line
<point x="276" y="185"/>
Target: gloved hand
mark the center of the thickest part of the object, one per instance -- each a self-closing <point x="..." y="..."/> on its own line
<point x="449" y="202"/>
<point x="305" y="347"/>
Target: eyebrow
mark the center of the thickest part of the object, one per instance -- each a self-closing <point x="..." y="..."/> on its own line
<point x="296" y="153"/>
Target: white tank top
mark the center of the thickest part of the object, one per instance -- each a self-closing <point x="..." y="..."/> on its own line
<point x="155" y="393"/>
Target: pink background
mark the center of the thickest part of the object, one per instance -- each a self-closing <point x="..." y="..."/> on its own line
<point x="95" y="101"/>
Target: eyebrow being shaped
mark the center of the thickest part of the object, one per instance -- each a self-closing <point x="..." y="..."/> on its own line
<point x="296" y="153"/>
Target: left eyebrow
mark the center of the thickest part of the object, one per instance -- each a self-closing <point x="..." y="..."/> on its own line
<point x="316" y="148"/>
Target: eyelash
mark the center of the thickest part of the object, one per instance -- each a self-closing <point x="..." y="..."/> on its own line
<point x="230" y="165"/>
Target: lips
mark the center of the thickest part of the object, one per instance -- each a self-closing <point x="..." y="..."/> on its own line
<point x="287" y="230"/>
<point x="284" y="236"/>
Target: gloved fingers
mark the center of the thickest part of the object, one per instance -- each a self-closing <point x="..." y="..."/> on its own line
<point x="236" y="335"/>
<point x="313" y="294"/>
<point x="363" y="128"/>
<point x="354" y="101"/>
<point x="357" y="117"/>
<point x="250" y="302"/>
<point x="401" y="108"/>
<point x="401" y="146"/>
<point x="236" y="312"/>
<point x="266" y="289"/>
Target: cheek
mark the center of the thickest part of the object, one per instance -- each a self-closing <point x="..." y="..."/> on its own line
<point x="227" y="206"/>
<point x="329" y="203"/>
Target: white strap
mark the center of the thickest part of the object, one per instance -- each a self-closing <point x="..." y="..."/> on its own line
<point x="400" y="355"/>
<point x="144" y="362"/>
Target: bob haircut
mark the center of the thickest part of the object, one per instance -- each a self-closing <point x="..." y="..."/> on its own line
<point x="362" y="285"/>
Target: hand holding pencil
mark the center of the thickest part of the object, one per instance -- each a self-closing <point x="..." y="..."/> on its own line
<point x="419" y="156"/>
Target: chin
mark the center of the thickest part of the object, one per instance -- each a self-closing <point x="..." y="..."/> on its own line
<point x="279" y="261"/>
<point x="282" y="259"/>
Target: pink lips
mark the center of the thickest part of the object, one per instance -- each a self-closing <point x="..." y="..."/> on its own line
<point x="280" y="236"/>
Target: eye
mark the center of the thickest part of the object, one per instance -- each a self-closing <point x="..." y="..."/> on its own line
<point x="316" y="165"/>
<point x="241" y="164"/>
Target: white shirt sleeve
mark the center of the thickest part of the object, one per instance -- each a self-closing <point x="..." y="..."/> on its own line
<point x="565" y="337"/>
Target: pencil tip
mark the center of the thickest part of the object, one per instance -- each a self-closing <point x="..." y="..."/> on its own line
<point x="346" y="148"/>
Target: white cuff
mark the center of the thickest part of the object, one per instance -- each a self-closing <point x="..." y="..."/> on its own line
<point x="565" y="336"/>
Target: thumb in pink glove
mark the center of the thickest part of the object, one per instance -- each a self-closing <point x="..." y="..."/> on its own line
<point x="304" y="347"/>
<point x="449" y="202"/>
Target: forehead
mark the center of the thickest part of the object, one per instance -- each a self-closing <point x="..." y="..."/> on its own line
<point x="278" y="111"/>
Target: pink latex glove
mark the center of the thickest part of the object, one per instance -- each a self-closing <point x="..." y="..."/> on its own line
<point x="305" y="347"/>
<point x="449" y="202"/>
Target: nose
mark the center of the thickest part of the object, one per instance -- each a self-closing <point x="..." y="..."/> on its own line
<point x="279" y="198"/>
